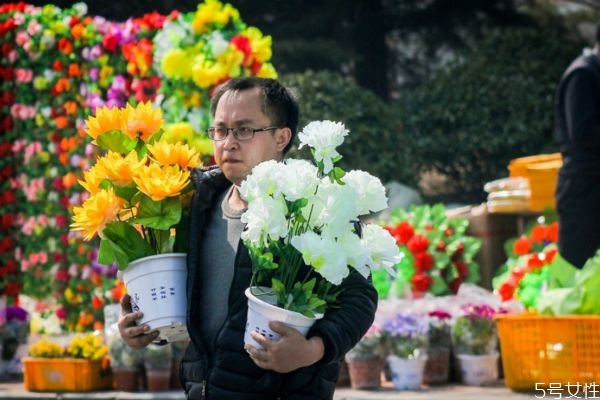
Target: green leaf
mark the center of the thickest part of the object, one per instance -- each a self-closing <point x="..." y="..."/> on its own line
<point x="336" y="175"/>
<point x="562" y="273"/>
<point x="122" y="243"/>
<point x="116" y="141"/>
<point x="162" y="215"/>
<point x="126" y="192"/>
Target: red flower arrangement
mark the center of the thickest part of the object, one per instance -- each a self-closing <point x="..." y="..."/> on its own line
<point x="528" y="264"/>
<point x="437" y="256"/>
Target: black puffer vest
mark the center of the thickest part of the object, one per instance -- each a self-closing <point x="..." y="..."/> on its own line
<point x="225" y="371"/>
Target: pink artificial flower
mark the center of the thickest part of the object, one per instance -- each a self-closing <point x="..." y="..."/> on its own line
<point x="23" y="75"/>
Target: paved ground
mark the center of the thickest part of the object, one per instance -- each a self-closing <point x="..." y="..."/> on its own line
<point x="497" y="391"/>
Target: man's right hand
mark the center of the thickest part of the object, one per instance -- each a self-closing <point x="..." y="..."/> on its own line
<point x="135" y="336"/>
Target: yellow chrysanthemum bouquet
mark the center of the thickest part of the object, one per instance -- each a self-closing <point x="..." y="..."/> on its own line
<point x="138" y="187"/>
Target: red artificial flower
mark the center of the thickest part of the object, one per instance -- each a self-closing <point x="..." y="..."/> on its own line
<point x="110" y="42"/>
<point x="6" y="243"/>
<point x="61" y="220"/>
<point x="7" y="171"/>
<point x="424" y="261"/>
<point x="421" y="282"/>
<point x="7" y="98"/>
<point x="402" y="232"/>
<point x="440" y="314"/>
<point x="146" y="89"/>
<point x="417" y="244"/>
<point x="62" y="275"/>
<point x="458" y="253"/>
<point x="6" y="124"/>
<point x="552" y="232"/>
<point x="8" y="197"/>
<point x="12" y="7"/>
<point x="454" y="284"/>
<point x="6" y="221"/>
<point x="538" y="233"/>
<point x="97" y="302"/>
<point x="535" y="261"/>
<point x="242" y="43"/>
<point x="550" y="254"/>
<point x="7" y="73"/>
<point x="12" y="289"/>
<point x="65" y="46"/>
<point x="61" y="313"/>
<point x="462" y="268"/>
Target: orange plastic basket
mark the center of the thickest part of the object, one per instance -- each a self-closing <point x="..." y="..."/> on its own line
<point x="542" y="173"/>
<point x="539" y="351"/>
<point x="66" y="374"/>
<point x="518" y="166"/>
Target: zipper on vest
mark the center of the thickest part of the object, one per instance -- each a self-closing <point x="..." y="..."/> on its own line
<point x="203" y="389"/>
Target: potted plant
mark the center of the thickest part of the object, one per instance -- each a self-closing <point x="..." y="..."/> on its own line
<point x="405" y="339"/>
<point x="304" y="232"/>
<point x="437" y="367"/>
<point x="436" y="254"/>
<point x="125" y="362"/>
<point x="365" y="360"/>
<point x="139" y="189"/>
<point x="14" y="332"/>
<point x="475" y="343"/>
<point x="157" y="363"/>
<point x="81" y="365"/>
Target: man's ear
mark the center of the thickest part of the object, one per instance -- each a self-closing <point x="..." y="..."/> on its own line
<point x="284" y="135"/>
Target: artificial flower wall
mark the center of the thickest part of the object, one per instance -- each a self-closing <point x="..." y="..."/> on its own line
<point x="57" y="67"/>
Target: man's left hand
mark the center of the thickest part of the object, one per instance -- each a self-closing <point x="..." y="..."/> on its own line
<point x="290" y="352"/>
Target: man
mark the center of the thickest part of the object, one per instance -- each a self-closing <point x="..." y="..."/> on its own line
<point x="254" y="120"/>
<point x="578" y="136"/>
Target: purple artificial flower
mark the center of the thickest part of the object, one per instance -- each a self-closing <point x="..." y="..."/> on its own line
<point x="16" y="313"/>
<point x="405" y="325"/>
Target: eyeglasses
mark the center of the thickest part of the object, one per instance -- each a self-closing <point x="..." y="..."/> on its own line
<point x="242" y="133"/>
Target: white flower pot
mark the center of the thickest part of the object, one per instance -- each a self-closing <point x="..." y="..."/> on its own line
<point x="407" y="373"/>
<point x="157" y="286"/>
<point x="261" y="310"/>
<point x="478" y="370"/>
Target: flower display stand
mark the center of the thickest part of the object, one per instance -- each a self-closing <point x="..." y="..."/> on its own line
<point x="66" y="375"/>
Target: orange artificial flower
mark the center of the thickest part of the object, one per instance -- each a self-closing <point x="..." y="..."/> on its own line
<point x="98" y="326"/>
<point x="70" y="107"/>
<point x="61" y="122"/>
<point x="69" y="143"/>
<point x="62" y="85"/>
<point x="69" y="180"/>
<point x="77" y="31"/>
<point x="74" y="70"/>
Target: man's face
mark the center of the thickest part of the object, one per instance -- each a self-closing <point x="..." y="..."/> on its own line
<point x="237" y="158"/>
